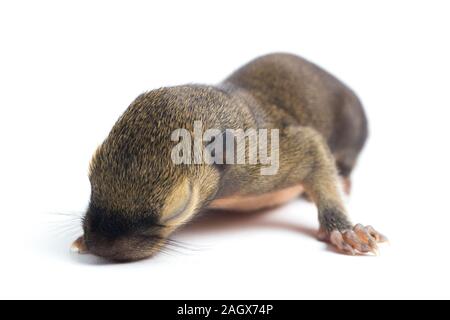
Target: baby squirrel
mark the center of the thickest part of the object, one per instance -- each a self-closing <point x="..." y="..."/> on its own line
<point x="140" y="196"/>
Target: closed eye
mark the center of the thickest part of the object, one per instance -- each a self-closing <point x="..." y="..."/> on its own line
<point x="178" y="203"/>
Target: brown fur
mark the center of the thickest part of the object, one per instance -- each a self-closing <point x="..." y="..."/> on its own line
<point x="136" y="188"/>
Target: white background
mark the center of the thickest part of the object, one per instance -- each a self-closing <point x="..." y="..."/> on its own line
<point x="69" y="69"/>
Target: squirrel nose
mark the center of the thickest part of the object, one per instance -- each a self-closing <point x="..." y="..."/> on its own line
<point x="79" y="246"/>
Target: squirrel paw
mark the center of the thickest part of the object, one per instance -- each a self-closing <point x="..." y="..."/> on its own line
<point x="359" y="240"/>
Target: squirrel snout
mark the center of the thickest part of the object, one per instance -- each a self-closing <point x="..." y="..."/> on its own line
<point x="79" y="246"/>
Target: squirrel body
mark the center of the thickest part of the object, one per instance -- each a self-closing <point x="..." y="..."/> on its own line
<point x="140" y="197"/>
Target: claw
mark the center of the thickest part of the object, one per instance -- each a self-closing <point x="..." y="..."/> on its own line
<point x="337" y="239"/>
<point x="359" y="240"/>
<point x="352" y="239"/>
<point x="365" y="236"/>
<point x="375" y="234"/>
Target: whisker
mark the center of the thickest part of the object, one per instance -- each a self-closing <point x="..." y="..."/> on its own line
<point x="168" y="250"/>
<point x="66" y="214"/>
<point x="65" y="230"/>
<point x="64" y="235"/>
<point x="183" y="245"/>
<point x="61" y="226"/>
<point x="64" y="222"/>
